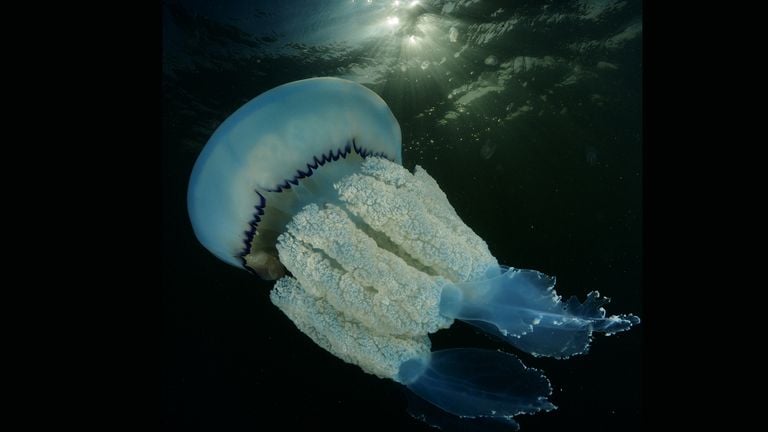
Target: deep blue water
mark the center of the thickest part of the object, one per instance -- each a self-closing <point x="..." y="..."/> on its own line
<point x="529" y="116"/>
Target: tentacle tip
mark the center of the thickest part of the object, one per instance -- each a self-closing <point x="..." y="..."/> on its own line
<point x="620" y="323"/>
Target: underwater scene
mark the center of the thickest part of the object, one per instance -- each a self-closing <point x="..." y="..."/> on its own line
<point x="402" y="215"/>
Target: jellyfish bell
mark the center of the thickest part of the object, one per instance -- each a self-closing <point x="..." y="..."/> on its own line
<point x="304" y="185"/>
<point x="247" y="181"/>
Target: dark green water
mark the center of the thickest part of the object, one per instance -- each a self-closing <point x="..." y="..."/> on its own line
<point x="534" y="132"/>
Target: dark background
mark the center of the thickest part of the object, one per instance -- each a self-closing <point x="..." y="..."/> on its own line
<point x="556" y="188"/>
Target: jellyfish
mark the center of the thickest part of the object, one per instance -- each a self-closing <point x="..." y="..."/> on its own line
<point x="304" y="185"/>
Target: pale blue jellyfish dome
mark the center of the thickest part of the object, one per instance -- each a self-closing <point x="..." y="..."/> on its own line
<point x="278" y="137"/>
<point x="304" y="185"/>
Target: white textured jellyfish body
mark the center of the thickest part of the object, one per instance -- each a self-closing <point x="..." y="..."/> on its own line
<point x="380" y="258"/>
<point x="307" y="178"/>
